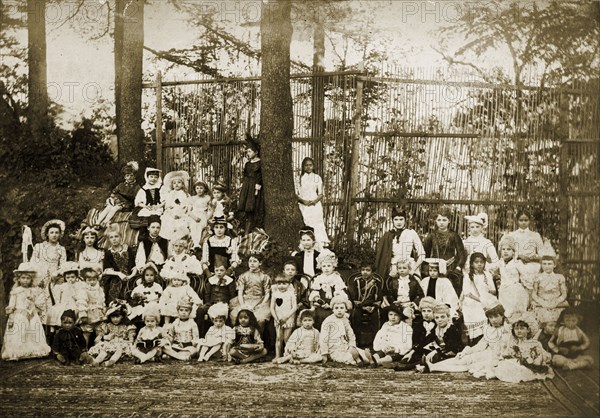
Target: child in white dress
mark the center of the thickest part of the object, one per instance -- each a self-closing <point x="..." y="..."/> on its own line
<point x="511" y="292"/>
<point x="219" y="336"/>
<point x="303" y="344"/>
<point x="310" y="194"/>
<point x="283" y="310"/>
<point x="393" y="341"/>
<point x="114" y="337"/>
<point x="147" y="291"/>
<point x="178" y="288"/>
<point x="175" y="199"/>
<point x="325" y="286"/>
<point x="549" y="295"/>
<point x="182" y="334"/>
<point x="200" y="211"/>
<point x="64" y="294"/>
<point x="90" y="302"/>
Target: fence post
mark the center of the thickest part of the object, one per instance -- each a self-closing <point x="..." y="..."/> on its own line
<point x="355" y="149"/>
<point x="159" y="144"/>
<point x="563" y="201"/>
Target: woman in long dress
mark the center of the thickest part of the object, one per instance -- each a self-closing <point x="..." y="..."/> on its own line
<point x="310" y="194"/>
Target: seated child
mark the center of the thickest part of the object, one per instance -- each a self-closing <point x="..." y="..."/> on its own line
<point x="522" y="358"/>
<point x="90" y="302"/>
<point x="68" y="344"/>
<point x="444" y="342"/>
<point x="393" y="340"/>
<point x="403" y="290"/>
<point x="545" y="333"/>
<point x="122" y="197"/>
<point x="422" y="326"/>
<point x="178" y="287"/>
<point x="114" y="337"/>
<point x="306" y="258"/>
<point x="325" y="286"/>
<point x="64" y="294"/>
<point x="200" y="212"/>
<point x="439" y="288"/>
<point x="366" y="291"/>
<point x="570" y="343"/>
<point x="175" y="200"/>
<point x="219" y="244"/>
<point x="182" y="334"/>
<point x="218" y="288"/>
<point x="148" y="200"/>
<point x="247" y="346"/>
<point x="153" y="247"/>
<point x="549" y="295"/>
<point x="146" y="292"/>
<point x="480" y="359"/>
<point x="151" y="338"/>
<point x="303" y="344"/>
<point x="337" y="339"/>
<point x="219" y="336"/>
<point x="283" y="309"/>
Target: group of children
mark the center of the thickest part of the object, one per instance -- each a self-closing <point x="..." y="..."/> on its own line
<point x="443" y="305"/>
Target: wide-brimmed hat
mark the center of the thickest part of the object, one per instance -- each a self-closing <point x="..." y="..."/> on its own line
<point x="116" y="306"/>
<point x="170" y="272"/>
<point x="481" y="219"/>
<point x="172" y="175"/>
<point x="130" y="168"/>
<point x="428" y="302"/>
<point x="68" y="267"/>
<point x="327" y="256"/>
<point x="53" y="223"/>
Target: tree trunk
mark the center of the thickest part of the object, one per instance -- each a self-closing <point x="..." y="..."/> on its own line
<point x="282" y="215"/>
<point x="118" y="54"/>
<point x="317" y="127"/>
<point x="37" y="110"/>
<point x="128" y="79"/>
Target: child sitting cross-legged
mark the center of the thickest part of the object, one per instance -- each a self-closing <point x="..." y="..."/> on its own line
<point x="303" y="344"/>
<point x="113" y="337"/>
<point x="393" y="340"/>
<point x="183" y="333"/>
<point x="247" y="346"/>
<point x="69" y="345"/>
<point x="569" y="344"/>
<point x="219" y="336"/>
<point x="151" y="338"/>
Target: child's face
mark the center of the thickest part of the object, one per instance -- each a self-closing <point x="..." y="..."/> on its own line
<point x="550" y="327"/>
<point x="149" y="276"/>
<point x="220" y="271"/>
<point x="250" y="153"/>
<point x="282" y="286"/>
<point x="548" y="266"/>
<point x="179" y="246"/>
<point x="442" y="222"/>
<point x="327" y="267"/>
<point x="217" y="194"/>
<point x="441" y="319"/>
<point x="253" y="263"/>
<point x="523" y="222"/>
<point x="89" y="240"/>
<point x="177" y="184"/>
<point x="243" y="319"/>
<point x="200" y="190"/>
<point x="150" y="322"/>
<point x="129" y="177"/>
<point x="399" y="222"/>
<point x="154" y="229"/>
<point x="478" y="265"/>
<point x="366" y="272"/>
<point x="71" y="277"/>
<point x="521" y="331"/>
<point x="427" y="314"/>
<point x="152" y="179"/>
<point x="53" y="234"/>
<point x="307" y="322"/>
<point x="289" y="270"/>
<point x="67" y="323"/>
<point x="394" y="318"/>
<point x="307" y="242"/>
<point x="219" y="321"/>
<point x="176" y="282"/>
<point x="91" y="279"/>
<point x="403" y="269"/>
<point x="116" y="319"/>
<point x="434" y="272"/>
<point x="219" y="230"/>
<point x="496" y="320"/>
<point x="308" y="166"/>
<point x="571" y="321"/>
<point x="475" y="229"/>
<point x="184" y="313"/>
<point x="25" y="279"/>
<point x="339" y="310"/>
<point x="507" y="252"/>
<point x="114" y="238"/>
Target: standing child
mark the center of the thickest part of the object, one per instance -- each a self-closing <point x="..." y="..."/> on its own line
<point x="200" y="212"/>
<point x="64" y="295"/>
<point x="306" y="258"/>
<point x="178" y="287"/>
<point x="122" y="197"/>
<point x="253" y="292"/>
<point x="247" y="345"/>
<point x="148" y="200"/>
<point x="147" y="291"/>
<point x="366" y="291"/>
<point x="549" y="295"/>
<point x="511" y="293"/>
<point x="90" y="255"/>
<point x="114" y="337"/>
<point x="300" y="282"/>
<point x="438" y="287"/>
<point x="219" y="244"/>
<point x="310" y="194"/>
<point x="476" y="242"/>
<point x="251" y="201"/>
<point x="219" y="336"/>
<point x="570" y="343"/>
<point x="303" y="344"/>
<point x="393" y="341"/>
<point x="445" y="341"/>
<point x="221" y="203"/>
<point x="182" y="334"/>
<point x="175" y="200"/>
<point x="337" y="339"/>
<point x="24" y="336"/>
<point x="68" y="344"/>
<point x="478" y="290"/>
<point x="283" y="310"/>
<point x="325" y="286"/>
<point x="90" y="302"/>
<point x="150" y="339"/>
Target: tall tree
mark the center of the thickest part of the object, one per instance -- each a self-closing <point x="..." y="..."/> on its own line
<point x="129" y="51"/>
<point x="277" y="123"/>
<point x="37" y="111"/>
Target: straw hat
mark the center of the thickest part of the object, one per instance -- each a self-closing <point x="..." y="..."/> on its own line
<point x="53" y="223"/>
<point x="173" y="175"/>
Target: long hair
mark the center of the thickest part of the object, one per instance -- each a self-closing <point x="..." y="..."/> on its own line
<point x="305" y="160"/>
<point x="253" y="320"/>
<point x="472" y="259"/>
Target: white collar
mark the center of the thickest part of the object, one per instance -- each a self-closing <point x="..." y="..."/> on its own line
<point x="214" y="280"/>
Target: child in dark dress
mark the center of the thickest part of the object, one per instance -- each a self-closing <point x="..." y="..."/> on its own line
<point x="122" y="197"/>
<point x="69" y="345"/>
<point x="251" y="202"/>
<point x="218" y="288"/>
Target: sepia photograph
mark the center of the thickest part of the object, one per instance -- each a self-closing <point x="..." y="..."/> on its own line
<point x="336" y="208"/>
